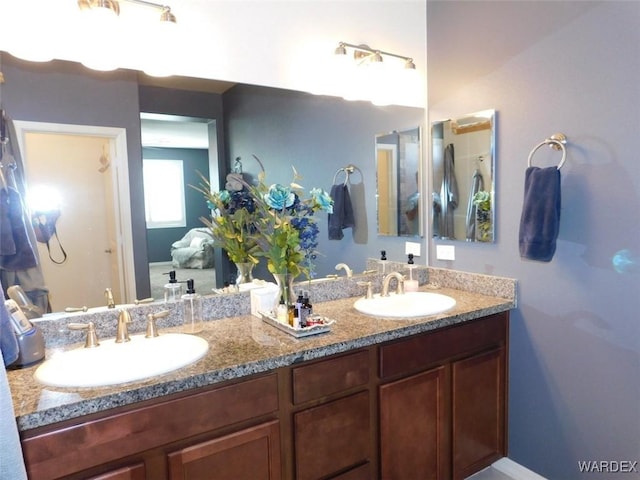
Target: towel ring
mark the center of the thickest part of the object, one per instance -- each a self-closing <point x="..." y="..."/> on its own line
<point x="557" y="141"/>
<point x="348" y="170"/>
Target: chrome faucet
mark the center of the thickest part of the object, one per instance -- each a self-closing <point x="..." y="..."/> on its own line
<point x="387" y="279"/>
<point x="346" y="268"/>
<point x="108" y="294"/>
<point x="122" y="332"/>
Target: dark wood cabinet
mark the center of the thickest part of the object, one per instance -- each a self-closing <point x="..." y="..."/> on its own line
<point x="429" y="406"/>
<point x="253" y="453"/>
<point x="448" y="420"/>
<point x="478" y="411"/>
<point x="332" y="437"/>
<point x="133" y="472"/>
<point x="413" y="427"/>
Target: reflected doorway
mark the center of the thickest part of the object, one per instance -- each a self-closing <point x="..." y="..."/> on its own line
<point x="87" y="166"/>
<point x="177" y="245"/>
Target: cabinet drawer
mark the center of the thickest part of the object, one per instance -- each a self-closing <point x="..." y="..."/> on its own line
<point x="332" y="437"/>
<point x="253" y="453"/>
<point x="96" y="442"/>
<point x="311" y="382"/>
<point x="420" y="352"/>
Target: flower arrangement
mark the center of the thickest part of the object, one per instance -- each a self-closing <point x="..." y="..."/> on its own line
<point x="285" y="228"/>
<point x="482" y="200"/>
<point x="232" y="223"/>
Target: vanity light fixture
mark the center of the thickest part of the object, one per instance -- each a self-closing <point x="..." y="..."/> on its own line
<point x="371" y="74"/>
<point x="112" y="7"/>
<point x="101" y="17"/>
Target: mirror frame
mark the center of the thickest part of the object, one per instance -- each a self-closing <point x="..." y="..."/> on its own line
<point x="473" y="161"/>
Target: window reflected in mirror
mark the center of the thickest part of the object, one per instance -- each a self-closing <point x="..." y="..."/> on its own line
<point x="398" y="174"/>
<point x="463" y="173"/>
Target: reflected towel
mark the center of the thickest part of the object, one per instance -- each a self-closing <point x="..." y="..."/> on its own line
<point x="16" y="251"/>
<point x="342" y="216"/>
<point x="540" y="220"/>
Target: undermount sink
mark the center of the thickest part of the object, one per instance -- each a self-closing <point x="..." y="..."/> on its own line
<point x="114" y="363"/>
<point x="407" y="305"/>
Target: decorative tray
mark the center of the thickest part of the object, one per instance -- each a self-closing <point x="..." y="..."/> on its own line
<point x="323" y="327"/>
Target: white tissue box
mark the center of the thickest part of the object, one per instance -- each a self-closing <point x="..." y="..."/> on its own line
<point x="263" y="299"/>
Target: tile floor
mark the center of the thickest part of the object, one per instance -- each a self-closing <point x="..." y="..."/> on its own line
<point x="490" y="473"/>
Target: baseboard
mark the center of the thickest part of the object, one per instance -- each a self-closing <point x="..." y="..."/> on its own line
<point x="515" y="470"/>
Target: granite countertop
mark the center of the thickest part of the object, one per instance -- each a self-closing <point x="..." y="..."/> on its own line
<point x="240" y="346"/>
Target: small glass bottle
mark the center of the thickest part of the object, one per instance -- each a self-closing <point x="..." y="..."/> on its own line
<point x="173" y="289"/>
<point x="192" y="303"/>
<point x="281" y="312"/>
<point x="305" y="310"/>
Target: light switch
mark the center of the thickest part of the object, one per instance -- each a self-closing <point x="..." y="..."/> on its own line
<point x="445" y="252"/>
<point x="412" y="247"/>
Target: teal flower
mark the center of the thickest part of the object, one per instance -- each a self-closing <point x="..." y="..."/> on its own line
<point x="279" y="197"/>
<point x="322" y="200"/>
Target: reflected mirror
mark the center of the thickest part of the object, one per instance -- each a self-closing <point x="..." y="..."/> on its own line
<point x="398" y="183"/>
<point x="463" y="173"/>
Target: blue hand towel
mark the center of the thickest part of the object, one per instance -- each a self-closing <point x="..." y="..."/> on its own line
<point x="342" y="216"/>
<point x="540" y="220"/>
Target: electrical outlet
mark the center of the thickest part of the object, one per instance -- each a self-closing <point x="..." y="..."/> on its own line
<point x="412" y="247"/>
<point x="445" y="252"/>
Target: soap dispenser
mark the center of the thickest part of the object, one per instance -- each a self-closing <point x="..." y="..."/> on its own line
<point x="173" y="289"/>
<point x="192" y="304"/>
<point x="383" y="261"/>
<point x="411" y="285"/>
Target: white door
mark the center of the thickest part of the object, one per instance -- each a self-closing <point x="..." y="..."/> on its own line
<point x="86" y="171"/>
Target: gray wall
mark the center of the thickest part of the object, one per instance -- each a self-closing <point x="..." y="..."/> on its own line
<point x="64" y="92"/>
<point x="575" y="337"/>
<point x="318" y="135"/>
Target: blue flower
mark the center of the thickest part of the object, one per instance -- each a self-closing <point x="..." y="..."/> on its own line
<point x="279" y="197"/>
<point x="322" y="200"/>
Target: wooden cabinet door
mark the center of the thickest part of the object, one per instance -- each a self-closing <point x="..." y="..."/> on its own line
<point x="252" y="454"/>
<point x="133" y="472"/>
<point x="333" y="437"/>
<point x="478" y="411"/>
<point x="413" y="423"/>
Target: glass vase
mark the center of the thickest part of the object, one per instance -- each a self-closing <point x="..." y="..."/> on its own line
<point x="245" y="273"/>
<point x="484" y="231"/>
<point x="285" y="289"/>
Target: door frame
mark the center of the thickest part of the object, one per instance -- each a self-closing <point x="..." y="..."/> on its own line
<point x="122" y="199"/>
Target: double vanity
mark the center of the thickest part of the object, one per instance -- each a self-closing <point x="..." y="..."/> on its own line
<point x="375" y="397"/>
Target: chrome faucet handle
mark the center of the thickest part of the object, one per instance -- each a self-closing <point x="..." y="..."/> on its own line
<point x="369" y="294"/>
<point x="92" y="339"/>
<point x="122" y="332"/>
<point x="108" y="294"/>
<point x="152" y="330"/>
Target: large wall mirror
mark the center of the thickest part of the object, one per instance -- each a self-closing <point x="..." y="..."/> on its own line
<point x="463" y="173"/>
<point x="398" y="178"/>
<point x="71" y="101"/>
